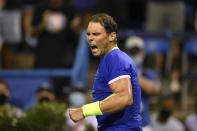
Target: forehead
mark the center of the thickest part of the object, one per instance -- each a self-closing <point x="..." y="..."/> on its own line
<point x="94" y="27"/>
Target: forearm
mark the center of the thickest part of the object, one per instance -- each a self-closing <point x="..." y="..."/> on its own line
<point x="147" y="86"/>
<point x="115" y="102"/>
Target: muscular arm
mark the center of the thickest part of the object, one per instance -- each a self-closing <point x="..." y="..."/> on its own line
<point x="122" y="96"/>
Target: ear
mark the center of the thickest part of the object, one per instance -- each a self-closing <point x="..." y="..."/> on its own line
<point x="112" y="37"/>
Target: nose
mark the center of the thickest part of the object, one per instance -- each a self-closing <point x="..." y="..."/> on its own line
<point x="90" y="38"/>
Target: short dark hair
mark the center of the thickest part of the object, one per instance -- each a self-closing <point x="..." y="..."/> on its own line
<point x="106" y="21"/>
<point x="5" y="83"/>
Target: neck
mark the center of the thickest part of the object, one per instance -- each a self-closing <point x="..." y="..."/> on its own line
<point x="110" y="49"/>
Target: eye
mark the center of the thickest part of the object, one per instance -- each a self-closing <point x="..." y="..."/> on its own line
<point x="96" y="34"/>
<point x="88" y="34"/>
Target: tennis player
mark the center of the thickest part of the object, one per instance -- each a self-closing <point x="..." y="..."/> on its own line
<point x="116" y="91"/>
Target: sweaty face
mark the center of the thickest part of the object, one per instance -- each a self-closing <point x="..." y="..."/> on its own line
<point x="98" y="39"/>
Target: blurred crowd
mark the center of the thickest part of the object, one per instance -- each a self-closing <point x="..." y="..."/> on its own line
<point x="44" y="35"/>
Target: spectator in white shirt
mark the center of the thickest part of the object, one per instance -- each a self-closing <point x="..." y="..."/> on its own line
<point x="165" y="121"/>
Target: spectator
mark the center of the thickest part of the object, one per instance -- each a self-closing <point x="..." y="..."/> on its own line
<point x="10" y="30"/>
<point x="51" y="23"/>
<point x="165" y="121"/>
<point x="4" y="92"/>
<point x="167" y="15"/>
<point x="4" y="97"/>
<point x="28" y="10"/>
<point x="10" y="21"/>
<point x="163" y="15"/>
<point x="191" y="120"/>
<point x="76" y="99"/>
<point x="148" y="81"/>
<point x="44" y="94"/>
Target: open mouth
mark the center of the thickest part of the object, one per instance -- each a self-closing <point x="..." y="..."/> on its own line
<point x="93" y="47"/>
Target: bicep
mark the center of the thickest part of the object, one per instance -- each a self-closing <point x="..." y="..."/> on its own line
<point x="122" y="86"/>
<point x="121" y="96"/>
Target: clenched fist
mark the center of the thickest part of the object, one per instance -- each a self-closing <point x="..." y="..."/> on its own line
<point x="76" y="114"/>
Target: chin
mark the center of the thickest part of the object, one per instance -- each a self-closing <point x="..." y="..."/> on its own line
<point x="96" y="55"/>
